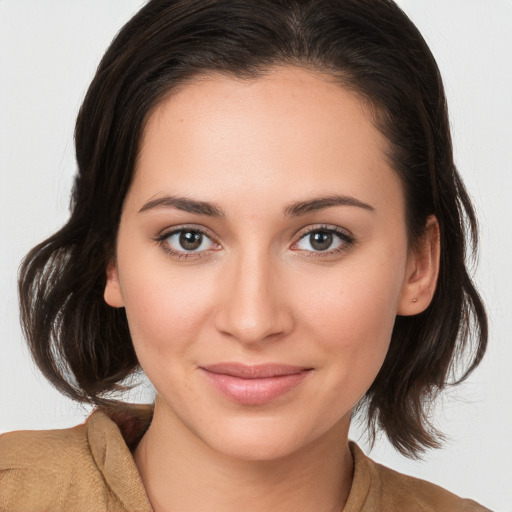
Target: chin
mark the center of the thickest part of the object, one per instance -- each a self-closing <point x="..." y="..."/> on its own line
<point x="259" y="439"/>
<point x="259" y="449"/>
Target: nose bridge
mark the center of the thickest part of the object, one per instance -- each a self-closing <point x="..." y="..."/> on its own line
<point x="253" y="307"/>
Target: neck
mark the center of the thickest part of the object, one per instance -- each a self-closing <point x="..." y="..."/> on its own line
<point x="180" y="472"/>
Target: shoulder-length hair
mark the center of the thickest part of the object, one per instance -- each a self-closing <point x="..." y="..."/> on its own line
<point x="83" y="346"/>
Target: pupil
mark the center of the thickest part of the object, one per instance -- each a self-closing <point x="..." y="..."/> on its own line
<point x="190" y="240"/>
<point x="321" y="241"/>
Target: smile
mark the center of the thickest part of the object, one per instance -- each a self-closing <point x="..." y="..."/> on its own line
<point x="254" y="385"/>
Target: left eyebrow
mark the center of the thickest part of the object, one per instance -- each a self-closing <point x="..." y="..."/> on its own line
<point x="320" y="203"/>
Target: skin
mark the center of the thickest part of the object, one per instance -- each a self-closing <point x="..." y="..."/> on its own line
<point x="259" y="291"/>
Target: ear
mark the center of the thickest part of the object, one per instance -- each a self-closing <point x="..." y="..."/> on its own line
<point x="113" y="295"/>
<point x="422" y="271"/>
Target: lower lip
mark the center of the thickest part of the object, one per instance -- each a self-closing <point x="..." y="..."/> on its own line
<point x="255" y="391"/>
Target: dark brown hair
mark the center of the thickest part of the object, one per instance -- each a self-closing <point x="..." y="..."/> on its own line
<point x="83" y="346"/>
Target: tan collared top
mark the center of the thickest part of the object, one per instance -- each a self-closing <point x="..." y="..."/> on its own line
<point x="90" y="468"/>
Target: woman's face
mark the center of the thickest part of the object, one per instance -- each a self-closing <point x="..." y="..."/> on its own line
<point x="262" y="258"/>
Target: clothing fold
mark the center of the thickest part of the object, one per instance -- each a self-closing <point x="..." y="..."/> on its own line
<point x="90" y="468"/>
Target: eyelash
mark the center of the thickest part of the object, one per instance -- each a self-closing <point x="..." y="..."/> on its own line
<point x="346" y="241"/>
<point x="162" y="241"/>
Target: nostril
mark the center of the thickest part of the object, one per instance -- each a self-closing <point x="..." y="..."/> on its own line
<point x="253" y="324"/>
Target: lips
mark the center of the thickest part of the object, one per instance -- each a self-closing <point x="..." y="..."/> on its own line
<point x="261" y="371"/>
<point x="254" y="385"/>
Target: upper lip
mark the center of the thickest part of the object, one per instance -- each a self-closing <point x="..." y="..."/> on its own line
<point x="259" y="371"/>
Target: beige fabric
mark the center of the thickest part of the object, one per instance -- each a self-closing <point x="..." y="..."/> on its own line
<point x="90" y="468"/>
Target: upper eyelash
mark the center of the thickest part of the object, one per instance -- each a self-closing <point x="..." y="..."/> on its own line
<point x="162" y="237"/>
<point x="329" y="229"/>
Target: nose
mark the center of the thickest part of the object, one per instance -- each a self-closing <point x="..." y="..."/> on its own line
<point x="253" y="306"/>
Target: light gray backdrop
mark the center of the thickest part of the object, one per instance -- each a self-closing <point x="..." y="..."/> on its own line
<point x="48" y="52"/>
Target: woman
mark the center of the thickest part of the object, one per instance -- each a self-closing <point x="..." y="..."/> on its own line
<point x="268" y="220"/>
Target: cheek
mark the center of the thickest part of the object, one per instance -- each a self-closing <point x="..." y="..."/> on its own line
<point x="353" y="300"/>
<point x="165" y="309"/>
<point x="351" y="314"/>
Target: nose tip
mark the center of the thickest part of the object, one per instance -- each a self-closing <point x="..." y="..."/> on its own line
<point x="253" y="307"/>
<point x="247" y="329"/>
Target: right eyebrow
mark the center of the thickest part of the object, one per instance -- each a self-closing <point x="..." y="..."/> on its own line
<point x="185" y="204"/>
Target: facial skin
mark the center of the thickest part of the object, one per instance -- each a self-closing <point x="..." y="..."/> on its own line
<point x="257" y="289"/>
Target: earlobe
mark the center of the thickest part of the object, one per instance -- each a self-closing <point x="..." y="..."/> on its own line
<point x="422" y="272"/>
<point x="112" y="294"/>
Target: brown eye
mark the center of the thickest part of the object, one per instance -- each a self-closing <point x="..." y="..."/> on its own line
<point x="321" y="240"/>
<point x="190" y="240"/>
<point x="325" y="240"/>
<point x="184" y="241"/>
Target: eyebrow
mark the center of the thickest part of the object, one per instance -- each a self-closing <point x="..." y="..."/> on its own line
<point x="293" y="210"/>
<point x="314" y="205"/>
<point x="184" y="204"/>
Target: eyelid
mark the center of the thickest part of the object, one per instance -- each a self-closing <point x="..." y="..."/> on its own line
<point x="347" y="238"/>
<point x="331" y="228"/>
<point x="169" y="231"/>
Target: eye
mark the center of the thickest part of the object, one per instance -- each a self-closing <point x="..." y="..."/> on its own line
<point x="186" y="241"/>
<point x="326" y="240"/>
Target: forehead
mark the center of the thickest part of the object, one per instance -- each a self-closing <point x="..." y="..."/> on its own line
<point x="292" y="129"/>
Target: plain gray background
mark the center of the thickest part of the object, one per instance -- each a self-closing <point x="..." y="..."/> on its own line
<point x="48" y="53"/>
